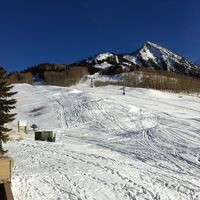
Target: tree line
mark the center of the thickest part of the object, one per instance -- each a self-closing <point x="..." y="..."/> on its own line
<point x="52" y="74"/>
<point x="68" y="77"/>
<point x="154" y="79"/>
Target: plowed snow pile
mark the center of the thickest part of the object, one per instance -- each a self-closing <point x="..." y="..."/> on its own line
<point x="142" y="145"/>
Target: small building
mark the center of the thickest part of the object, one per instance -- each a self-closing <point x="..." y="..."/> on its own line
<point x="45" y="136"/>
<point x="22" y="126"/>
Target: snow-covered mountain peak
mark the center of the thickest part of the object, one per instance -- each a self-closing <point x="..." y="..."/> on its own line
<point x="100" y="60"/>
<point x="151" y="55"/>
<point x="151" y="44"/>
<point x="158" y="57"/>
<point x="157" y="51"/>
<point x="103" y="56"/>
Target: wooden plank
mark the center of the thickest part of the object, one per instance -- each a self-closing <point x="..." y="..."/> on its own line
<point x="2" y="165"/>
<point x="6" y="165"/>
<point x="5" y="176"/>
<point x="5" y="169"/>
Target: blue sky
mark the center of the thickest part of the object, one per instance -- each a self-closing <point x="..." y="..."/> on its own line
<point x="65" y="31"/>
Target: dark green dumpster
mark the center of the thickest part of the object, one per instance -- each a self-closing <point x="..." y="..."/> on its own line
<point x="45" y="136"/>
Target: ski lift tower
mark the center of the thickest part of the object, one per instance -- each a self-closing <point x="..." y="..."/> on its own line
<point x="123" y="85"/>
<point x="92" y="82"/>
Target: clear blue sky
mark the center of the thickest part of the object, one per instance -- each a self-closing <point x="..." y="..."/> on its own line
<point x="64" y="31"/>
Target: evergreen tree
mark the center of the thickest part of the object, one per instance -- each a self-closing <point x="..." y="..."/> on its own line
<point x="6" y="105"/>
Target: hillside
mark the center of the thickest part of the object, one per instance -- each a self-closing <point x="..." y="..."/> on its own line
<point x="142" y="145"/>
<point x="149" y="56"/>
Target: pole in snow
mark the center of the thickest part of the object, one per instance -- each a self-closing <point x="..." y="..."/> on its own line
<point x="123" y="87"/>
<point x="92" y="82"/>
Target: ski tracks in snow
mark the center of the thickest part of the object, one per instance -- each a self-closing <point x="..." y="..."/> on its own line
<point x="108" y="149"/>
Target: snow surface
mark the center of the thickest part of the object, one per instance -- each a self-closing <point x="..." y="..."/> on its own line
<point x="132" y="59"/>
<point x="103" y="56"/>
<point x="103" y="65"/>
<point x="142" y="145"/>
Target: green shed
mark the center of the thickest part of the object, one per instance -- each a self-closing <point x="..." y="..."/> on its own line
<point x="45" y="136"/>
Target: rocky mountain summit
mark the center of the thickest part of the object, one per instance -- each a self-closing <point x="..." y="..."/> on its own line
<point x="150" y="55"/>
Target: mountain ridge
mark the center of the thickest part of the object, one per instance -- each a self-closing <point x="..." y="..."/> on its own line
<point x="150" y="55"/>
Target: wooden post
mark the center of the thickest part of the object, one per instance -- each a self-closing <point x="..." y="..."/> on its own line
<point x="6" y="165"/>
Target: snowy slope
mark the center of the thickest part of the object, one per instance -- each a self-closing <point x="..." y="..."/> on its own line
<point x="144" y="145"/>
